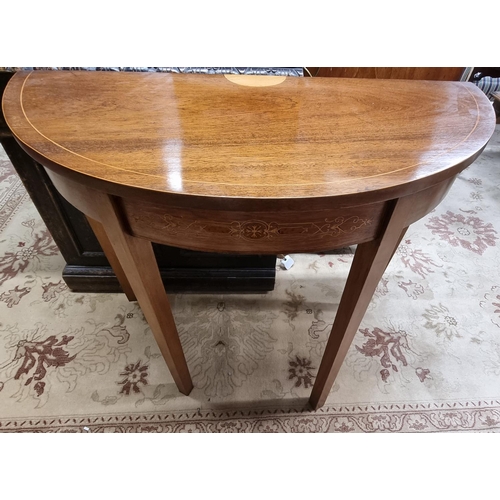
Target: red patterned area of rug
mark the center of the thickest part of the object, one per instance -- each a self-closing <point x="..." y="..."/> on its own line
<point x="426" y="357"/>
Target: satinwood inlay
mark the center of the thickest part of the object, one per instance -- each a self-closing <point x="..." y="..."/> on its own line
<point x="254" y="229"/>
<point x="195" y="161"/>
<point x="203" y="135"/>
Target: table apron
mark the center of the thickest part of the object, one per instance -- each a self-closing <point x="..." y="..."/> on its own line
<point x="250" y="232"/>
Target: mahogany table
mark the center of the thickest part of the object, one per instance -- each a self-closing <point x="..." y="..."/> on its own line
<point x="263" y="165"/>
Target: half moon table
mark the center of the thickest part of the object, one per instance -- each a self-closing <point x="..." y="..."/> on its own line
<point x="248" y="165"/>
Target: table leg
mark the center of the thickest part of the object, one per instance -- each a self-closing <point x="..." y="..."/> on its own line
<point x="368" y="266"/>
<point x="107" y="248"/>
<point x="136" y="258"/>
<point x="401" y="236"/>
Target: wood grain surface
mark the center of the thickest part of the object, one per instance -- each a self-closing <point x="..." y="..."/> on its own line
<point x="204" y="136"/>
<point x="205" y="163"/>
<point x="432" y="73"/>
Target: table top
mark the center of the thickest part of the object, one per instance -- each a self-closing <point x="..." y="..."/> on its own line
<point x="264" y="137"/>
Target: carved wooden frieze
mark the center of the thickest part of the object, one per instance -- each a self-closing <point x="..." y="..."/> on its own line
<point x="253" y="229"/>
<point x="235" y="231"/>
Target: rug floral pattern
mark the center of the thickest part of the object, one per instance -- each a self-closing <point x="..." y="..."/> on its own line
<point x="426" y="357"/>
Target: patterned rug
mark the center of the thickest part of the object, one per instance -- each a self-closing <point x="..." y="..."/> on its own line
<point x="426" y="357"/>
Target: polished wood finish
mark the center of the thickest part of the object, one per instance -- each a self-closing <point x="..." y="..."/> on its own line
<point x="368" y="266"/>
<point x="137" y="258"/>
<point x="107" y="246"/>
<point x="87" y="268"/>
<point x="204" y="136"/>
<point x="444" y="74"/>
<point x="206" y="163"/>
<point x="255" y="232"/>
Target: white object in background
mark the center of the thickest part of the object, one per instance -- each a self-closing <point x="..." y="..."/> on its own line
<point x="287" y="262"/>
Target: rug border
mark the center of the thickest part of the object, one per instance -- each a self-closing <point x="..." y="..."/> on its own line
<point x="426" y="417"/>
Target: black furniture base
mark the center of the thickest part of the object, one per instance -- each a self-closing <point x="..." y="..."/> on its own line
<point x="218" y="280"/>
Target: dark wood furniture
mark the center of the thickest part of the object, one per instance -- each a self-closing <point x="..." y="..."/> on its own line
<point x="433" y="73"/>
<point x="248" y="165"/>
<point x="496" y="105"/>
<point x="87" y="268"/>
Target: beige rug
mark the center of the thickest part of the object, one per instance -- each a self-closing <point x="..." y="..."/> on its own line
<point x="426" y="357"/>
